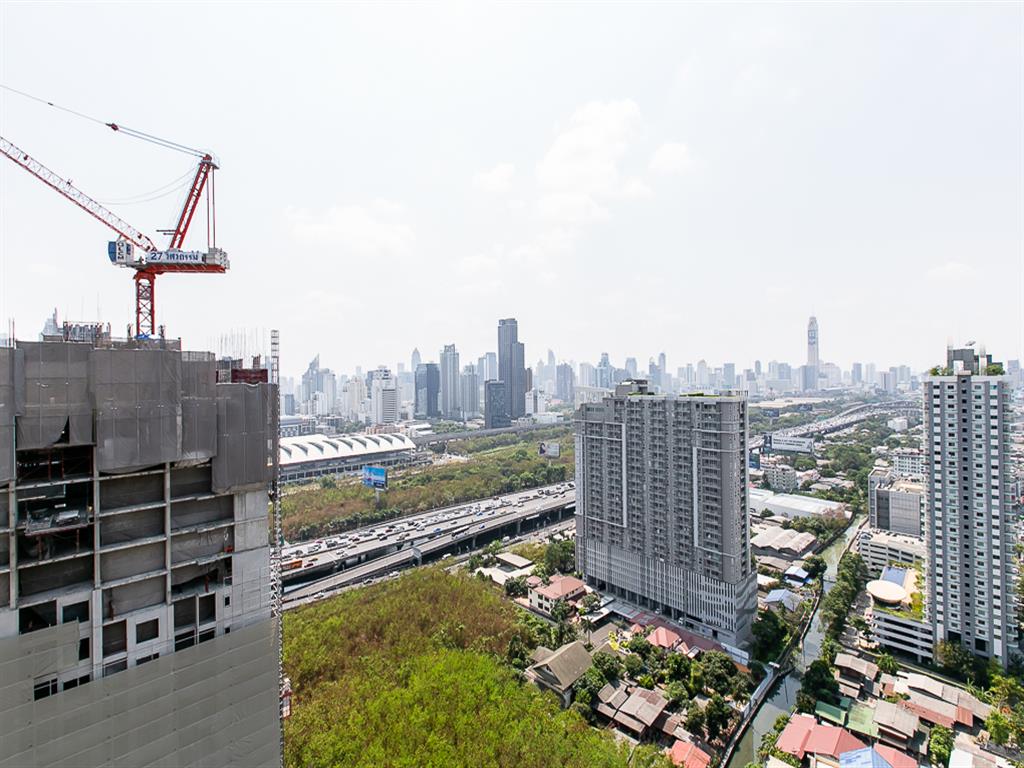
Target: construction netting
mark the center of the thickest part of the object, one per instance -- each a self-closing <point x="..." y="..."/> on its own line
<point x="198" y="406"/>
<point x="56" y="407"/>
<point x="7" y="411"/>
<point x="243" y="438"/>
<point x="137" y="395"/>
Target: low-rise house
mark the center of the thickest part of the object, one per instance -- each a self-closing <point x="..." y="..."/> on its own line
<point x="688" y="755"/>
<point x="853" y="673"/>
<point x="897" y="726"/>
<point x="876" y="757"/>
<point x="796" y="575"/>
<point x="559" y="588"/>
<point x="634" y="709"/>
<point x="557" y="671"/>
<point x="821" y="745"/>
<point x="782" y="600"/>
<point x="663" y="637"/>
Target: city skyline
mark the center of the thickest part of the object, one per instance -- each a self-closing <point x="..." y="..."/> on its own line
<point x="643" y="165"/>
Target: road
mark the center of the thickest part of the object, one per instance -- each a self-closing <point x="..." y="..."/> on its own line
<point x="847" y="418"/>
<point x="365" y="553"/>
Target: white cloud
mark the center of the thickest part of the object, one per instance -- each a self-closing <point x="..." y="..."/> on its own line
<point x="497" y="179"/>
<point x="671" y="158"/>
<point x="377" y="229"/>
<point x="582" y="167"/>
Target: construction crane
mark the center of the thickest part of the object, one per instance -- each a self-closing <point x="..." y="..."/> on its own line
<point x="133" y="249"/>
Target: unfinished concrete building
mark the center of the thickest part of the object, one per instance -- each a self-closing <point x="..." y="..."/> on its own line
<point x="137" y="610"/>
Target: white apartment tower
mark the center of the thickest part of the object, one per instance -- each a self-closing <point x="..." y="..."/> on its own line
<point x="451" y="389"/>
<point x="661" y="507"/>
<point x="970" y="530"/>
<point x="384" y="396"/>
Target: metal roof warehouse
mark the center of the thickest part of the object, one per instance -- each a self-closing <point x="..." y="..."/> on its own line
<point x="310" y="456"/>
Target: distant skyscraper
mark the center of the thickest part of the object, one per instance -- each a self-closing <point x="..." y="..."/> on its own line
<point x="470" y="393"/>
<point x="428" y="392"/>
<point x="588" y="375"/>
<point x="451" y="385"/>
<point x="384" y="396"/>
<point x="415" y="360"/>
<point x="604" y="372"/>
<point x="495" y="405"/>
<point x="661" y="515"/>
<point x="512" y="367"/>
<point x="757" y="367"/>
<point x="813" y="363"/>
<point x="564" y="384"/>
<point x="631" y="368"/>
<point x="729" y="375"/>
<point x="970" y="519"/>
<point x="703" y="377"/>
<point x="856" y="374"/>
<point x="663" y="377"/>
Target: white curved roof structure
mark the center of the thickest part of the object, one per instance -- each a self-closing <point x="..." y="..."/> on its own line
<point x="296" y="450"/>
<point x="886" y="591"/>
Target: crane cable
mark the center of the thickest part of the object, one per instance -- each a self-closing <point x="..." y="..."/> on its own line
<point x="113" y="126"/>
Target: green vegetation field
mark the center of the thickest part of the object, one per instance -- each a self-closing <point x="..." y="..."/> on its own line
<point x="412" y="673"/>
<point x="495" y="465"/>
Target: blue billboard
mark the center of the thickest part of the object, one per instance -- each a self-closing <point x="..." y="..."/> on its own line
<point x="375" y="477"/>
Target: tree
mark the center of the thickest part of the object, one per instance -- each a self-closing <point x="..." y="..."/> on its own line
<point x="634" y="666"/>
<point x="639" y="645"/>
<point x="1005" y="691"/>
<point x="476" y="561"/>
<point x="815" y="566"/>
<point x="588" y="685"/>
<point x="561" y="610"/>
<point x="560" y="556"/>
<point x="940" y="745"/>
<point x="677" y="694"/>
<point x="718" y="671"/>
<point x="588" y="603"/>
<point x="888" y="664"/>
<point x="956" y="659"/>
<point x="770" y="635"/>
<point x="998" y="726"/>
<point x="516" y="587"/>
<point x="695" y="719"/>
<point x="818" y="682"/>
<point x="829" y="650"/>
<point x="677" y="667"/>
<point x="609" y="665"/>
<point x="587" y="626"/>
<point x="716" y="716"/>
<point x="646" y="681"/>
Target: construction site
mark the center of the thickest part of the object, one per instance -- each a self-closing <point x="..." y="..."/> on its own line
<point x="139" y="587"/>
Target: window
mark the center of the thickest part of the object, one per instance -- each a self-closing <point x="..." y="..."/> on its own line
<point x="83" y="649"/>
<point x="44" y="688"/>
<point x="143" y="659"/>
<point x="76" y="612"/>
<point x="37" y="617"/>
<point x="147" y="630"/>
<point x="115" y="638"/>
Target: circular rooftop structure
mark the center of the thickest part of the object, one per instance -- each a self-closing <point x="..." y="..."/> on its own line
<point x="886" y="592"/>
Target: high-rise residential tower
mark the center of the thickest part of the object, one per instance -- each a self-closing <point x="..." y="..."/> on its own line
<point x="451" y="393"/>
<point x="565" y="384"/>
<point x="495" y="405"/>
<point x="970" y="527"/>
<point x="512" y="367"/>
<point x="661" y="506"/>
<point x="383" y="396"/>
<point x="470" y="385"/>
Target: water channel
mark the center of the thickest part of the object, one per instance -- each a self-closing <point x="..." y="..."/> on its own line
<point x="783" y="697"/>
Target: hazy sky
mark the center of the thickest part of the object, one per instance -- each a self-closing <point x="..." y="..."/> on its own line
<point x="696" y="179"/>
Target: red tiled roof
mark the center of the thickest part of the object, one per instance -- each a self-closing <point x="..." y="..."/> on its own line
<point x="831" y="740"/>
<point x="560" y="586"/>
<point x="927" y="714"/>
<point x="689" y="755"/>
<point x="663" y="638"/>
<point x="894" y="757"/>
<point x="795" y="734"/>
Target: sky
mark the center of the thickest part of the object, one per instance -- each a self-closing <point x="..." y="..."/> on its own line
<point x="696" y="179"/>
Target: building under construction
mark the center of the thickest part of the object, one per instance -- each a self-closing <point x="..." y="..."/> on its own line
<point x="138" y="621"/>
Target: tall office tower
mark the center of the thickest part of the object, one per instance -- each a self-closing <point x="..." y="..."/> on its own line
<point x="664" y="382"/>
<point x="870" y="374"/>
<point x="813" y="361"/>
<point x="757" y="367"/>
<point x="512" y="367"/>
<point x="384" y="396"/>
<point x="138" y="623"/>
<point x="661" y="506"/>
<point x="470" y="386"/>
<point x="631" y="368"/>
<point x="588" y="375"/>
<point x="856" y="374"/>
<point x="703" y="377"/>
<point x="353" y="393"/>
<point x="604" y="372"/>
<point x="565" y="385"/>
<point x="427" y="403"/>
<point x="451" y="391"/>
<point x="496" y="405"/>
<point x="415" y="361"/>
<point x="729" y="375"/>
<point x="969" y="515"/>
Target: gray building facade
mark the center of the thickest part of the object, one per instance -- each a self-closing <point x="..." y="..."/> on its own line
<point x="451" y="386"/>
<point x="427" y="404"/>
<point x="969" y="518"/>
<point x="496" y="405"/>
<point x="512" y="367"/>
<point x="661" y="507"/>
<point x="138" y="617"/>
<point x="895" y="504"/>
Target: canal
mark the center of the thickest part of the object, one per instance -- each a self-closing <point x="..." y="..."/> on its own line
<point x="784" y="695"/>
